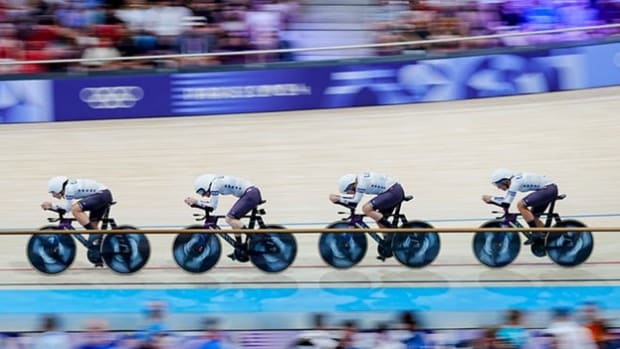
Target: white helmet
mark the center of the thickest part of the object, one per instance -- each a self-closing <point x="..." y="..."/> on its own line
<point x="56" y="184"/>
<point x="345" y="181"/>
<point x="202" y="184"/>
<point x="501" y="174"/>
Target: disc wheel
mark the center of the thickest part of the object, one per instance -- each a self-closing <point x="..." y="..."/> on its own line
<point x="125" y="253"/>
<point x="416" y="250"/>
<point x="272" y="252"/>
<point x="342" y="250"/>
<point x="496" y="249"/>
<point x="51" y="253"/>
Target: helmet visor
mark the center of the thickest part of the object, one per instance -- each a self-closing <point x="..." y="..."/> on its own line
<point x="501" y="182"/>
<point x="203" y="192"/>
<point x="349" y="188"/>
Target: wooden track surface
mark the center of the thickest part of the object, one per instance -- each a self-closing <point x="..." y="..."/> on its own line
<point x="442" y="153"/>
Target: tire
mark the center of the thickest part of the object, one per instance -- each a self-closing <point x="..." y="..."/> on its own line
<point x="272" y="252"/>
<point x="496" y="249"/>
<point x="196" y="253"/>
<point x="570" y="249"/>
<point x="342" y="250"/>
<point x="51" y="253"/>
<point x="416" y="250"/>
<point x="125" y="253"/>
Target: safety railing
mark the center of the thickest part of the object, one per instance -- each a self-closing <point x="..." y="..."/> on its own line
<point x="453" y="230"/>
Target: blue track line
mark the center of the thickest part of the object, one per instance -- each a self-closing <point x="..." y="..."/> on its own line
<point x="311" y="299"/>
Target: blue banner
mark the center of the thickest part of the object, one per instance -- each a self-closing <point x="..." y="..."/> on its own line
<point x="375" y="84"/>
<point x="26" y="101"/>
<point x="245" y="91"/>
<point x="112" y="97"/>
<point x="602" y="65"/>
<point x="339" y="85"/>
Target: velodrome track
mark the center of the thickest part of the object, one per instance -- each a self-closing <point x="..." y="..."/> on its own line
<point x="442" y="153"/>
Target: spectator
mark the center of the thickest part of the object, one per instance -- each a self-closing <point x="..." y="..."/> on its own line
<point x="51" y="336"/>
<point x="568" y="333"/>
<point x="198" y="37"/>
<point x="412" y="336"/>
<point x="96" y="336"/>
<point x="11" y="48"/>
<point x="510" y="14"/>
<point x="55" y="29"/>
<point x="541" y="15"/>
<point x="213" y="337"/>
<point x="348" y="339"/>
<point x="513" y="332"/>
<point x="155" y="321"/>
<point x="383" y="340"/>
<point x="104" y="50"/>
<point x="490" y="340"/>
<point x="592" y="319"/>
<point x="134" y="15"/>
<point x="318" y="337"/>
<point x="234" y="42"/>
<point x="10" y="340"/>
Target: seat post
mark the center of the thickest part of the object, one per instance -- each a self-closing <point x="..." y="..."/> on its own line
<point x="254" y="213"/>
<point x="550" y="213"/>
<point x="396" y="214"/>
<point x="106" y="213"/>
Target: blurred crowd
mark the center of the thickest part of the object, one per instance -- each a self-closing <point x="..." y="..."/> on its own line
<point x="419" y="20"/>
<point x="583" y="328"/>
<point x="95" y="29"/>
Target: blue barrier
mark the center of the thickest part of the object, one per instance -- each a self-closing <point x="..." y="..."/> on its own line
<point x="311" y="87"/>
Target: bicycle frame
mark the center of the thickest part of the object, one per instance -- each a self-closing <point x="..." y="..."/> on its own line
<point x="67" y="224"/>
<point x="210" y="222"/>
<point x="512" y="219"/>
<point x="357" y="220"/>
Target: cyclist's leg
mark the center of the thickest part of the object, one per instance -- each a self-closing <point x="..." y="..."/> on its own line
<point x="79" y="212"/>
<point x="96" y="204"/>
<point x="379" y="209"/>
<point x="383" y="204"/>
<point x="528" y="215"/>
<point x="538" y="201"/>
<point x="247" y="202"/>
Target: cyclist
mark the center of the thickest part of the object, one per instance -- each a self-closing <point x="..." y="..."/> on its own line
<point x="389" y="194"/>
<point x="531" y="206"/>
<point x="91" y="196"/>
<point x="211" y="186"/>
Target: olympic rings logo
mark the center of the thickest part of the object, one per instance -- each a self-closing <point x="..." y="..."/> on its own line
<point x="111" y="97"/>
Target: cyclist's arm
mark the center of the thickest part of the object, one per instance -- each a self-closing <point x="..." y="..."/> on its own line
<point x="65" y="206"/>
<point x="68" y="202"/>
<point x="504" y="201"/>
<point x="213" y="199"/>
<point x="353" y="200"/>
